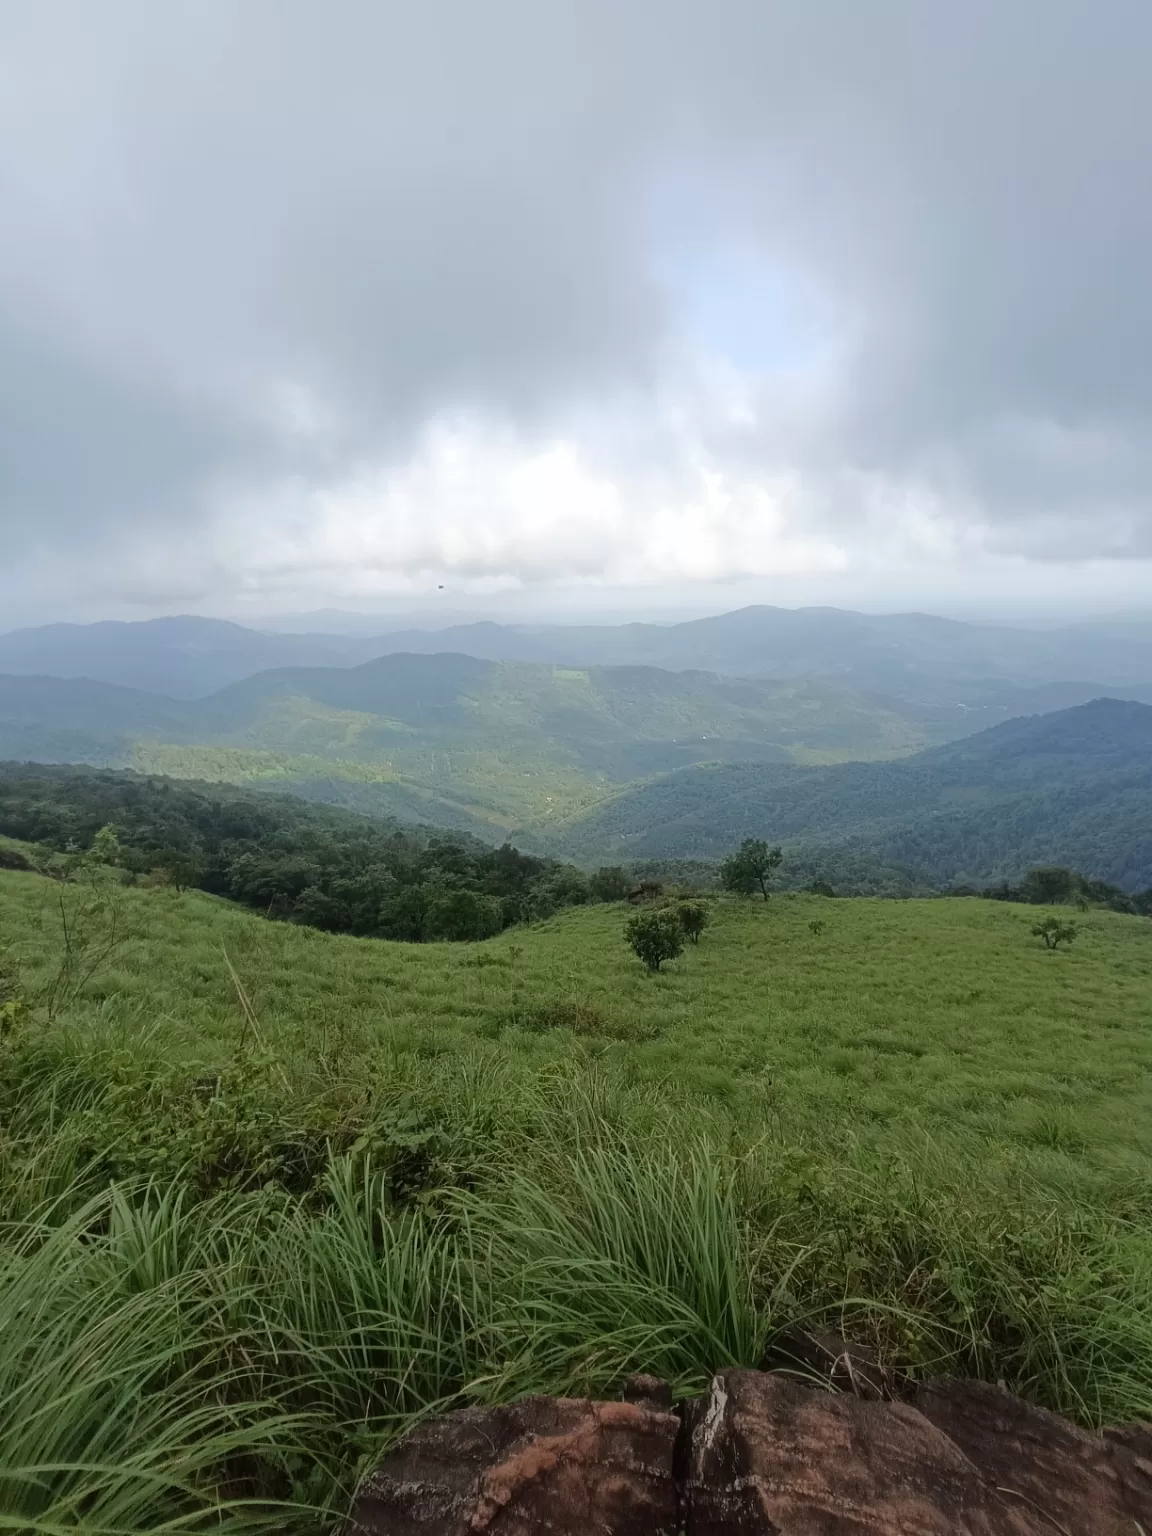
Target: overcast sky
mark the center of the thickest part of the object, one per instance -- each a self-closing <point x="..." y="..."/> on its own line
<point x="616" y="304"/>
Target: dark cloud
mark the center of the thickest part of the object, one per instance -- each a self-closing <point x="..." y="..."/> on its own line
<point x="264" y="243"/>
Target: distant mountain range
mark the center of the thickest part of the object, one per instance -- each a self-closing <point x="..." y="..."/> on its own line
<point x="1073" y="787"/>
<point x="767" y="721"/>
<point x="915" y="657"/>
<point x="465" y="741"/>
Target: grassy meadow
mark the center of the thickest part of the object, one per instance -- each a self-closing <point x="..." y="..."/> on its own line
<point x="268" y="1195"/>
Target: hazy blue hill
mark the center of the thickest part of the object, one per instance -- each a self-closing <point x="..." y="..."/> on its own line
<point x="1071" y="787"/>
<point x="910" y="655"/>
<point x="913" y="657"/>
<point x="184" y="657"/>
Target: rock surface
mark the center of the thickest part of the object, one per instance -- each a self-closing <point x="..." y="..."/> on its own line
<point x="768" y="1455"/>
<point x="1088" y="1485"/>
<point x="542" y="1465"/>
<point x="763" y="1454"/>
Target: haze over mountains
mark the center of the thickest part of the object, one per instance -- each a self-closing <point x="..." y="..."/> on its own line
<point x="911" y="655"/>
<point x="850" y="736"/>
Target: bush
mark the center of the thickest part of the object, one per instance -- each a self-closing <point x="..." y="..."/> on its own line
<point x="1054" y="932"/>
<point x="581" y="1017"/>
<point x="693" y="917"/>
<point x="655" y="936"/>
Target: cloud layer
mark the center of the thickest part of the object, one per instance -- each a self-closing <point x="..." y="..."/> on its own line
<point x="320" y="302"/>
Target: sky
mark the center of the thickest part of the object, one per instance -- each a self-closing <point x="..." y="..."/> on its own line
<point x="559" y="307"/>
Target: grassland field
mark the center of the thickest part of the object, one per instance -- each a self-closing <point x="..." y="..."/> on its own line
<point x="275" y="1193"/>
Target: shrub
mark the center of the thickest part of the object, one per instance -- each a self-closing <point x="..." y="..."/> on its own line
<point x="655" y="936"/>
<point x="750" y="870"/>
<point x="581" y="1017"/>
<point x="1054" y="932"/>
<point x="693" y="917"/>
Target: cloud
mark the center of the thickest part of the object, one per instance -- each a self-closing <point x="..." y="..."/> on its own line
<point x="336" y="299"/>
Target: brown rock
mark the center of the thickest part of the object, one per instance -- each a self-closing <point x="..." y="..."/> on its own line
<point x="559" y="1466"/>
<point x="649" y="1390"/>
<point x="770" y="1457"/>
<point x="828" y="1358"/>
<point x="1136" y="1438"/>
<point x="1074" y="1481"/>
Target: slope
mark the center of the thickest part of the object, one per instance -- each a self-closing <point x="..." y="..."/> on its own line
<point x="473" y="742"/>
<point x="1071" y="787"/>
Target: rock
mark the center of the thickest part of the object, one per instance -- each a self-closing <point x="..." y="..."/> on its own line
<point x="763" y="1454"/>
<point x="827" y="1357"/>
<point x="770" y="1457"/>
<point x="1136" y="1438"/>
<point x="649" y="1390"/>
<point x="559" y="1466"/>
<point x="1085" y="1484"/>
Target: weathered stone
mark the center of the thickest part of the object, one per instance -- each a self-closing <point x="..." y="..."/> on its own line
<point x="828" y="1358"/>
<point x="1136" y="1438"/>
<point x="1082" y="1483"/>
<point x="649" y="1390"/>
<point x="559" y="1466"/>
<point x="770" y="1457"/>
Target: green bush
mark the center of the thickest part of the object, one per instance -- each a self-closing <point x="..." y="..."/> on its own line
<point x="693" y="917"/>
<point x="655" y="936"/>
<point x="1054" y="932"/>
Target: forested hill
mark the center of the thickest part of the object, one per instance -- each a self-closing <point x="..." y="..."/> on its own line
<point x="1073" y="787"/>
<point x="482" y="745"/>
<point x="305" y="863"/>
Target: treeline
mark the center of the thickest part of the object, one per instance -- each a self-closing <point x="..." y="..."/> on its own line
<point x="292" y="860"/>
<point x="1056" y="886"/>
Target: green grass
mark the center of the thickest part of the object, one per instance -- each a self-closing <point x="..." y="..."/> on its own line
<point x="247" y="1239"/>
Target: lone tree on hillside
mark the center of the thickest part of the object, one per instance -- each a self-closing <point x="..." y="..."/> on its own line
<point x="1054" y="932"/>
<point x="693" y="917"/>
<point x="750" y="870"/>
<point x="655" y="936"/>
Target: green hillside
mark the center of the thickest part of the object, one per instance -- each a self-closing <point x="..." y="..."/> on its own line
<point x="1073" y="787"/>
<point x="473" y="744"/>
<point x="269" y="1194"/>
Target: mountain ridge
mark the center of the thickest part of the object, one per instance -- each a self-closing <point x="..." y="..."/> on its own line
<point x="1072" y="787"/>
<point x="916" y="656"/>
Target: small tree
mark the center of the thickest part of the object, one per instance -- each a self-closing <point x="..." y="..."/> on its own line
<point x="751" y="869"/>
<point x="93" y="924"/>
<point x="693" y="917"/>
<point x="655" y="936"/>
<point x="1054" y="932"/>
<point x="179" y="868"/>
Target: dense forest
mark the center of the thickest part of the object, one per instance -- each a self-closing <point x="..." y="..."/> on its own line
<point x="1069" y="788"/>
<point x="292" y="860"/>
